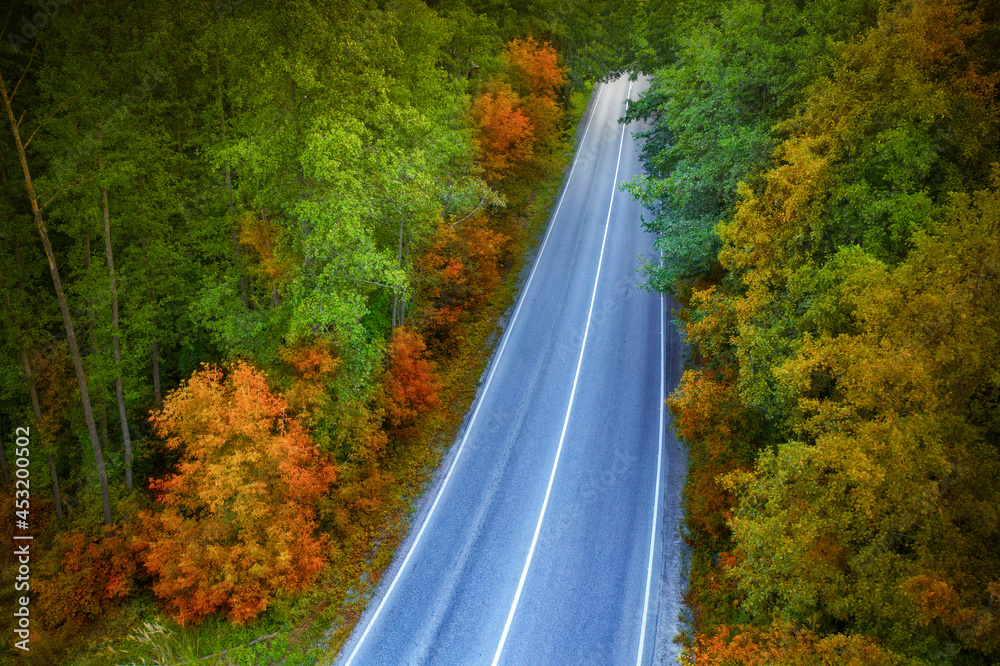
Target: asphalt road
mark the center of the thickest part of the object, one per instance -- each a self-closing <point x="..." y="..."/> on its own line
<point x="550" y="533"/>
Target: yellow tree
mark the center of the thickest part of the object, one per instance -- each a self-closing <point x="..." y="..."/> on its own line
<point x="239" y="517"/>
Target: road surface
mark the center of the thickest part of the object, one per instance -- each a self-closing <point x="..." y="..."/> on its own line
<point x="550" y="533"/>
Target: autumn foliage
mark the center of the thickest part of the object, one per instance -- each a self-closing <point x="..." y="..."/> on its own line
<point x="85" y="574"/>
<point x="843" y="423"/>
<point x="505" y="136"/>
<point x="263" y="239"/>
<point x="238" y="520"/>
<point x="518" y="117"/>
<point x="783" y="644"/>
<point x="461" y="269"/>
<point x="411" y="383"/>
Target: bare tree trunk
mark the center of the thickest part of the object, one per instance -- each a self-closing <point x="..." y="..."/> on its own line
<point x="115" y="344"/>
<point x="74" y="348"/>
<point x="30" y="379"/>
<point x="102" y="403"/>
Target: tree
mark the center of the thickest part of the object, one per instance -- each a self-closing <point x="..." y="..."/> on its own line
<point x="460" y="268"/>
<point x="876" y="514"/>
<point x="238" y="519"/>
<point x="505" y="136"/>
<point x="63" y="306"/>
<point x="736" y="73"/>
<point x="410" y="382"/>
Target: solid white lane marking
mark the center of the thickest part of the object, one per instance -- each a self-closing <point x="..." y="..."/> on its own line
<point x="656" y="493"/>
<point x="486" y="387"/>
<point x="569" y="408"/>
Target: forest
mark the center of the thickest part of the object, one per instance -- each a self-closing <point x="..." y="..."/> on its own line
<point x="252" y="257"/>
<point x="824" y="185"/>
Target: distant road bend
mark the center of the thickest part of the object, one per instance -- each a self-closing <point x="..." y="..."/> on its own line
<point x="549" y="535"/>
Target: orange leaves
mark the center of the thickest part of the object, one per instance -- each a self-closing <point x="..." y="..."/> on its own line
<point x="937" y="603"/>
<point x="239" y="517"/>
<point x="517" y="120"/>
<point x="782" y="644"/>
<point x="82" y="575"/>
<point x="708" y="416"/>
<point x="410" y="382"/>
<point x="505" y="136"/>
<point x="461" y="268"/>
<point x="533" y="68"/>
<point x="312" y="364"/>
<point x="263" y="238"/>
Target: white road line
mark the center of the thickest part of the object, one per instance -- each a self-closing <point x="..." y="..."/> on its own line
<point x="569" y="408"/>
<point x="486" y="387"/>
<point x="656" y="493"/>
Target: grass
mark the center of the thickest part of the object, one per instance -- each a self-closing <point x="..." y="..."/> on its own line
<point x="312" y="627"/>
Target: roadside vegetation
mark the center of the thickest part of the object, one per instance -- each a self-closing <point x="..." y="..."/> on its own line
<point x="253" y="261"/>
<point x="825" y="190"/>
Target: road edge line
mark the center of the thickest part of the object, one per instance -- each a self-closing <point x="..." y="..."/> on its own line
<point x="489" y="379"/>
<point x="659" y="468"/>
<point x="569" y="408"/>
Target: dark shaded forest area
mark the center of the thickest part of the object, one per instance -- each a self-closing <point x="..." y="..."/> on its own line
<point x="251" y="258"/>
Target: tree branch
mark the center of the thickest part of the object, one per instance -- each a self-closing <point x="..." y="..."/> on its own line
<point x="454" y="224"/>
<point x="54" y="112"/>
<point x="70" y="186"/>
<point x="34" y="49"/>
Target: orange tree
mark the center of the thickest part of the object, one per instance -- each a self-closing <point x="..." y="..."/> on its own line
<point x="238" y="519"/>
<point x="410" y="383"/>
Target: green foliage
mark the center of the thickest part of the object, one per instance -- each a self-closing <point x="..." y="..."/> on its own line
<point x="851" y="316"/>
<point x="711" y="111"/>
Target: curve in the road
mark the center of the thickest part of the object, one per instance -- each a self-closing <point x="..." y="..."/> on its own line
<point x="538" y="545"/>
<point x="479" y="402"/>
<point x="569" y="407"/>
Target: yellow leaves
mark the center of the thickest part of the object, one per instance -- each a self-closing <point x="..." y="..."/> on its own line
<point x="264" y="239"/>
<point x="861" y="317"/>
<point x="240" y="520"/>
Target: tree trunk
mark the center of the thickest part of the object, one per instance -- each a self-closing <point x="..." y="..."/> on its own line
<point x="102" y="403"/>
<point x="115" y="344"/>
<point x="30" y="379"/>
<point x="74" y="348"/>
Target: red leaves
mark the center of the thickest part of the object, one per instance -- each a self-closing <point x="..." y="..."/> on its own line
<point x="517" y="120"/>
<point x="505" y="136"/>
<point x="82" y="575"/>
<point x="461" y="269"/>
<point x="240" y="514"/>
<point x="411" y="383"/>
